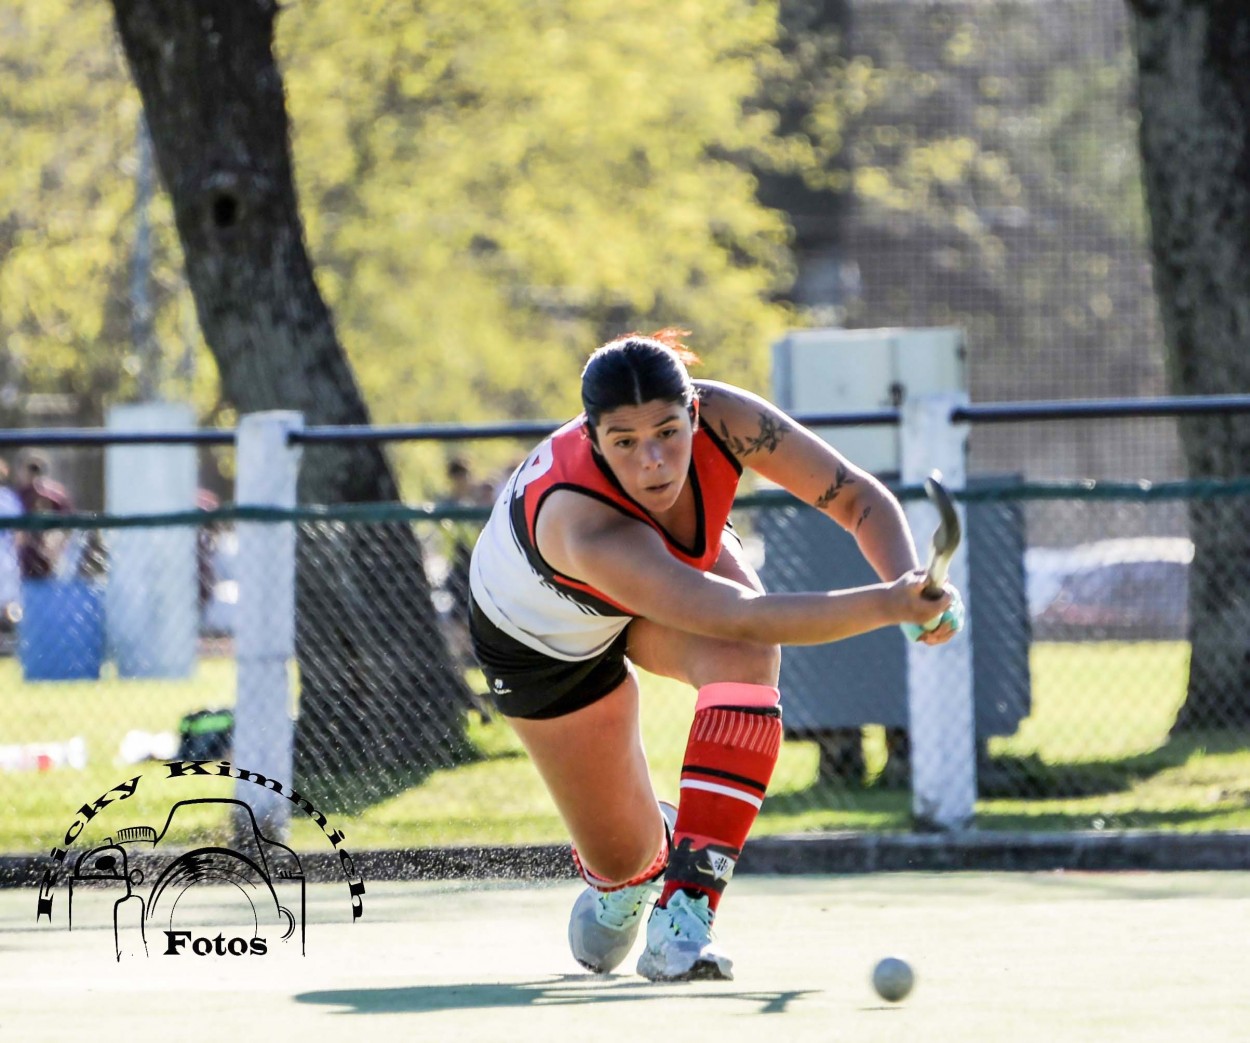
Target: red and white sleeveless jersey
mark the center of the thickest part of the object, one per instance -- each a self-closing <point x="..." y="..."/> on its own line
<point x="559" y="615"/>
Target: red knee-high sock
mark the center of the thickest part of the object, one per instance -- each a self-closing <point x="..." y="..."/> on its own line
<point x="733" y="747"/>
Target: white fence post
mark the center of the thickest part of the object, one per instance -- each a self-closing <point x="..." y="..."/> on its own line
<point x="942" y="722"/>
<point x="264" y="632"/>
<point x="151" y="613"/>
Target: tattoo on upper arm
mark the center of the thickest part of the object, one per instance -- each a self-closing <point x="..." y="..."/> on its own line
<point x="772" y="430"/>
<point x="863" y="518"/>
<point x="841" y="478"/>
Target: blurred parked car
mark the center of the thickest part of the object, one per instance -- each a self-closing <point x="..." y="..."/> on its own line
<point x="1132" y="589"/>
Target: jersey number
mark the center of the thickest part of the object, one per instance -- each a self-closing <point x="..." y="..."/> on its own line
<point x="537" y="466"/>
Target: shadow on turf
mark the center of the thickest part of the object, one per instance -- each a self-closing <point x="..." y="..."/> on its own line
<point x="562" y="990"/>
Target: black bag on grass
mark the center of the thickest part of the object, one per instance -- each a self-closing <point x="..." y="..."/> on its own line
<point x="205" y="735"/>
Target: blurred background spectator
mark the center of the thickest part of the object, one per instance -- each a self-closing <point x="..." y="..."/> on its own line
<point x="38" y="551"/>
<point x="10" y="576"/>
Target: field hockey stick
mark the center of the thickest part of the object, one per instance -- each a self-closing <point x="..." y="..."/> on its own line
<point x="945" y="538"/>
<point x="942" y="547"/>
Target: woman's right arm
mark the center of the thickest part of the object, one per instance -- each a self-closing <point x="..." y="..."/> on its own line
<point x="629" y="562"/>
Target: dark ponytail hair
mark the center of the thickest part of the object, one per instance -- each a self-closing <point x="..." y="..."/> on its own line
<point x="634" y="369"/>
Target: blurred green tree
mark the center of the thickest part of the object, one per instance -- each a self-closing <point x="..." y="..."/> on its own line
<point x="70" y="120"/>
<point x="495" y="188"/>
<point x="989" y="194"/>
<point x="488" y="190"/>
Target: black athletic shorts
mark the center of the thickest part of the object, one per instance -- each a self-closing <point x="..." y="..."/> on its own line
<point x="525" y="683"/>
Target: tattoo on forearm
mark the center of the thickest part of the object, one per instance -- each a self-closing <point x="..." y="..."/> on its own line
<point x="771" y="432"/>
<point x="829" y="495"/>
<point x="863" y="518"/>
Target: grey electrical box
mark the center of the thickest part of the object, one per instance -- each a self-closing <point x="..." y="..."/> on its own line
<point x="835" y="371"/>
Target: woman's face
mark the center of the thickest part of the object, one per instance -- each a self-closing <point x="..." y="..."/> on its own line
<point x="648" y="448"/>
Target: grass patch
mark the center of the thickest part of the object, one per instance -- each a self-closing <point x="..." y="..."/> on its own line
<point x="1094" y="753"/>
<point x="37" y="808"/>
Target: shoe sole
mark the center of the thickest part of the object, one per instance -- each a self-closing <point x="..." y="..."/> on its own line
<point x="703" y="970"/>
<point x="597" y="970"/>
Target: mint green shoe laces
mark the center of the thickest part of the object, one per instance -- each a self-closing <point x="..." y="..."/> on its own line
<point x="620" y="909"/>
<point x="689" y="917"/>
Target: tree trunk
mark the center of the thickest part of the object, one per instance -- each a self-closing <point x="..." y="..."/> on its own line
<point x="380" y="702"/>
<point x="1194" y="93"/>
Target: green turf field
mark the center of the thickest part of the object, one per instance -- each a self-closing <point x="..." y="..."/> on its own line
<point x="1025" y="958"/>
<point x="1094" y="754"/>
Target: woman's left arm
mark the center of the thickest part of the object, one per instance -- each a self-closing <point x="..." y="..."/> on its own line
<point x="781" y="450"/>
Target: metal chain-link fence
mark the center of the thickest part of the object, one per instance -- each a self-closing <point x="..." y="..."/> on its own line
<point x="1109" y="649"/>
